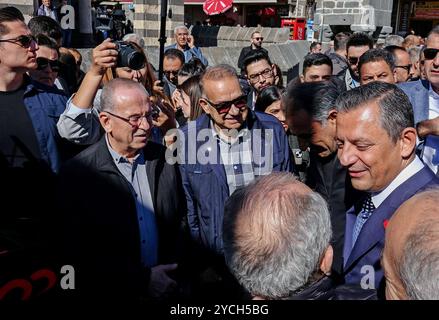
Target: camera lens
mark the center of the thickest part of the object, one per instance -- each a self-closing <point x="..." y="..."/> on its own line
<point x="136" y="61"/>
<point x="129" y="56"/>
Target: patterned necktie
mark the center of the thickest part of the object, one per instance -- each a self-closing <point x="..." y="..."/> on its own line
<point x="366" y="211"/>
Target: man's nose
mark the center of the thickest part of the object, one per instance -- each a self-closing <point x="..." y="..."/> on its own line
<point x="234" y="111"/>
<point x="346" y="156"/>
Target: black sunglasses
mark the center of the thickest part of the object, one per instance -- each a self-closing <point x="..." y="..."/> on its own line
<point x="259" y="38"/>
<point x="430" y="53"/>
<point x="42" y="64"/>
<point x="24" y="41"/>
<point x="224" y="107"/>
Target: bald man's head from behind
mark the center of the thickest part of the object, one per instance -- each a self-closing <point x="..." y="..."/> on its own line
<point x="411" y="251"/>
<point x="276" y="236"/>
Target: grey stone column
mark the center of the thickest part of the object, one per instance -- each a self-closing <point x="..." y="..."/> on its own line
<point x="147" y="20"/>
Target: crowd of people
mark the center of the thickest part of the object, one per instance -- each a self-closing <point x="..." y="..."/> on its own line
<point x="215" y="184"/>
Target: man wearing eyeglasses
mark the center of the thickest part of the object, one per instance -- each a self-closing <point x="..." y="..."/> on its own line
<point x="424" y="96"/>
<point x="225" y="149"/>
<point x="403" y="66"/>
<point x="122" y="230"/>
<point x="357" y="44"/>
<point x="185" y="42"/>
<point x="173" y="60"/>
<point x="255" y="44"/>
<point x="47" y="61"/>
<point x="260" y="74"/>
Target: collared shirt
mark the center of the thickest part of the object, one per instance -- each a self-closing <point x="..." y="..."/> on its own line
<point x="135" y="174"/>
<point x="237" y="158"/>
<point x="430" y="155"/>
<point x="414" y="167"/>
<point x="49" y="13"/>
<point x="350" y="81"/>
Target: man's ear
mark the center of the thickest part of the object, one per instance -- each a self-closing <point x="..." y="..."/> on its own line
<point x="274" y="70"/>
<point x="408" y="142"/>
<point x="332" y="116"/>
<point x="105" y="121"/>
<point x="326" y="264"/>
<point x="302" y="78"/>
<point x="395" y="77"/>
<point x="204" y="105"/>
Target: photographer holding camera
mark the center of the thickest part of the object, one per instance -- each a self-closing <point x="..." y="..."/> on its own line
<point x="79" y="123"/>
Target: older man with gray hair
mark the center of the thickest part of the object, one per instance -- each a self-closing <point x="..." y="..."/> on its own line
<point x="411" y="252"/>
<point x="276" y="241"/>
<point x="185" y="42"/>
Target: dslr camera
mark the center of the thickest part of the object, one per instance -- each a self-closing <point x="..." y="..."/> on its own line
<point x="129" y="56"/>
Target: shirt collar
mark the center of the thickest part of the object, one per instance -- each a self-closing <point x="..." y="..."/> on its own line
<point x="117" y="158"/>
<point x="414" y="167"/>
<point x="242" y="131"/>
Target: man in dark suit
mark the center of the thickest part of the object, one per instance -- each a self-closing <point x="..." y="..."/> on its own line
<point x="122" y="204"/>
<point x="423" y="95"/>
<point x="311" y="115"/>
<point x="256" y="45"/>
<point x="376" y="142"/>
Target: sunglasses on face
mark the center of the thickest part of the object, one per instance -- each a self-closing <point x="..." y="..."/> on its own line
<point x="430" y="53"/>
<point x="224" y="107"/>
<point x="259" y="38"/>
<point x="24" y="41"/>
<point x="406" y="68"/>
<point x="168" y="74"/>
<point x="42" y="64"/>
<point x="353" y="60"/>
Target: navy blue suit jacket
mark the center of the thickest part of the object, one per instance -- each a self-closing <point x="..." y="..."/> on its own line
<point x="370" y="242"/>
<point x="417" y="91"/>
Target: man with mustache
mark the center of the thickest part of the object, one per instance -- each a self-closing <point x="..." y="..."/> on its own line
<point x="376" y="142"/>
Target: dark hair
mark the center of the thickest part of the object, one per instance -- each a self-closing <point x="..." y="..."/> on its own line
<point x="9" y="14"/>
<point x="392" y="50"/>
<point x="192" y="88"/>
<point x="67" y="70"/>
<point x="255" y="56"/>
<point x="174" y="54"/>
<point x="375" y="55"/>
<point x="46" y="26"/>
<point x="45" y="41"/>
<point x="316" y="59"/>
<point x="396" y="111"/>
<point x="268" y="96"/>
<point x="340" y="40"/>
<point x="315" y="98"/>
<point x="358" y="40"/>
<point x="314" y="44"/>
<point x="192" y="68"/>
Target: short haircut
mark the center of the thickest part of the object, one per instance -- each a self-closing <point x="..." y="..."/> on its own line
<point x="255" y="56"/>
<point x="180" y="27"/>
<point x="110" y="89"/>
<point x="45" y="41"/>
<point x="275" y="233"/>
<point x="340" y="41"/>
<point x="419" y="264"/>
<point x="316" y="59"/>
<point x="218" y="72"/>
<point x="359" y="39"/>
<point x="393" y="40"/>
<point x="254" y="32"/>
<point x="315" y="98"/>
<point x="192" y="68"/>
<point x="314" y="44"/>
<point x="376" y="55"/>
<point x="46" y="26"/>
<point x="415" y="54"/>
<point x="396" y="111"/>
<point x="174" y="54"/>
<point x="267" y="97"/>
<point x="8" y="14"/>
<point x="393" y="49"/>
<point x="434" y="31"/>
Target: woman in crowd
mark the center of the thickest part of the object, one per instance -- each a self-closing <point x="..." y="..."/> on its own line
<point x="186" y="99"/>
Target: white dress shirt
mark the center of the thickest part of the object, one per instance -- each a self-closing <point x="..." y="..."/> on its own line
<point x="430" y="155"/>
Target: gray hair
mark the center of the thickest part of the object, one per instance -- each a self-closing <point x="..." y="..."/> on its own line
<point x="393" y="40"/>
<point x="396" y="112"/>
<point x="275" y="234"/>
<point x="315" y="98"/>
<point x="109" y="91"/>
<point x="181" y="27"/>
<point x="218" y="72"/>
<point x="415" y="54"/>
<point x="419" y="267"/>
<point x="133" y="37"/>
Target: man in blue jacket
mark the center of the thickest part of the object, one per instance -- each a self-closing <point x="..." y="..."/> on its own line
<point x="225" y="149"/>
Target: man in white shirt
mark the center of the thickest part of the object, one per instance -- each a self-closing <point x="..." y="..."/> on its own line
<point x="376" y="142"/>
<point x="46" y="9"/>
